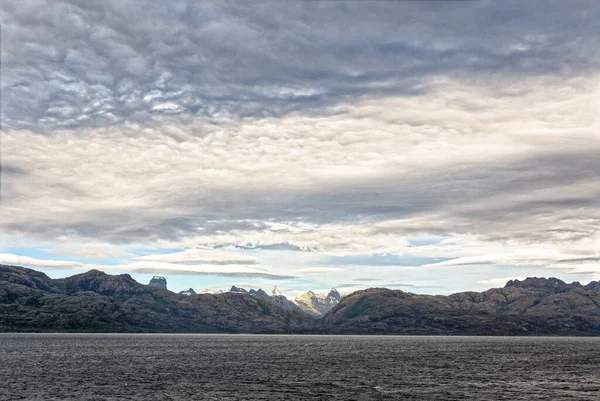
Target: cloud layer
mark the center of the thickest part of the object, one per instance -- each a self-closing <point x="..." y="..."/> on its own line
<point x="276" y="138"/>
<point x="514" y="168"/>
<point x="73" y="63"/>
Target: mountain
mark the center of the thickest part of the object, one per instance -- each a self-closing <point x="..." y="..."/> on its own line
<point x="275" y="298"/>
<point x="313" y="304"/>
<point x="238" y="290"/>
<point x="333" y="298"/>
<point x="318" y="304"/>
<point x="535" y="306"/>
<point x="98" y="302"/>
<point x="159" y="282"/>
<point x="188" y="292"/>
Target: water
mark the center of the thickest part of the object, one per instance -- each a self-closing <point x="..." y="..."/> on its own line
<point x="257" y="367"/>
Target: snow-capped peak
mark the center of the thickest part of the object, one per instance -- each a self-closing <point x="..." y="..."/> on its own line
<point x="318" y="303"/>
<point x="276" y="292"/>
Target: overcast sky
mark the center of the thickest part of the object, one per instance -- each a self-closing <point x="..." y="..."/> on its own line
<point x="425" y="146"/>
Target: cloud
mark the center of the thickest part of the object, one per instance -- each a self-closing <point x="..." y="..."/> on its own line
<point x="231" y="270"/>
<point x="198" y="256"/>
<point x="26" y="260"/>
<point x="587" y="268"/>
<point x="284" y="246"/>
<point x="216" y="126"/>
<point x="515" y="258"/>
<point x="319" y="270"/>
<point x="358" y="181"/>
<point x="91" y="252"/>
<point x="72" y="64"/>
<point x="497" y="282"/>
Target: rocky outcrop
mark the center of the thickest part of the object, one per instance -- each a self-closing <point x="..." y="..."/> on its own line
<point x="158" y="282"/>
<point x="318" y="304"/>
<point x="535" y="306"/>
<point x="98" y="302"/>
<point x="188" y="292"/>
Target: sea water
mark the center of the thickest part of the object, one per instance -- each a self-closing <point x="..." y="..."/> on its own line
<point x="296" y="367"/>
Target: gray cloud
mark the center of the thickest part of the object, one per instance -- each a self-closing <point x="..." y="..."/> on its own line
<point x="152" y="266"/>
<point x="278" y="128"/>
<point x="534" y="198"/>
<point x="283" y="246"/>
<point x="183" y="271"/>
<point x="10" y="169"/>
<point x="580" y="260"/>
<point x="73" y="64"/>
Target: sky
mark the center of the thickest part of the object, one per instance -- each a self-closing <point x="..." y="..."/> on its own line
<point x="427" y="146"/>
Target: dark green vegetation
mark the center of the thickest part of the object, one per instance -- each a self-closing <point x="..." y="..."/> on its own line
<point x="98" y="302"/>
<point x="535" y="306"/>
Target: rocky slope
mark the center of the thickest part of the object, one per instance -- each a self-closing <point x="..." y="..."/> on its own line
<point x="533" y="306"/>
<point x="318" y="304"/>
<point x="98" y="302"/>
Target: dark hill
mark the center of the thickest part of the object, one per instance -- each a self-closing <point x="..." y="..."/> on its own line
<point x="99" y="302"/>
<point x="533" y="306"/>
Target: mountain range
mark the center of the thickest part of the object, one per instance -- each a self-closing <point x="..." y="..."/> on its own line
<point x="316" y="305"/>
<point x="98" y="302"/>
<point x="534" y="306"/>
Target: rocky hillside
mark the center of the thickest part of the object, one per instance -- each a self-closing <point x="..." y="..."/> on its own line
<point x="98" y="302"/>
<point x="533" y="306"/>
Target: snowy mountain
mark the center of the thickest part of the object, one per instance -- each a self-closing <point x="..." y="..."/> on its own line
<point x="318" y="304"/>
<point x="188" y="292"/>
<point x="311" y="303"/>
<point x="276" y="297"/>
